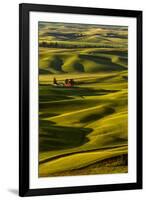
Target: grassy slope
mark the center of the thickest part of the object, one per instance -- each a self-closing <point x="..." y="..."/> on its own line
<point x="117" y="164"/>
<point x="100" y="123"/>
<point x="83" y="126"/>
<point x="73" y="62"/>
<point x="78" y="161"/>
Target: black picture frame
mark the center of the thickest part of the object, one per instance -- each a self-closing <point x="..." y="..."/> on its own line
<point x="24" y="10"/>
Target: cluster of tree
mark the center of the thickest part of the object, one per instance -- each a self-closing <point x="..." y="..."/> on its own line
<point x="65" y="45"/>
<point x="73" y="45"/>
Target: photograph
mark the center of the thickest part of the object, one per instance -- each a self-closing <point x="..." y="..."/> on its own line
<point x="80" y="99"/>
<point x="83" y="99"/>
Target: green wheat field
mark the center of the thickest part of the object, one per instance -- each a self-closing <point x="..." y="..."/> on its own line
<point x="83" y="127"/>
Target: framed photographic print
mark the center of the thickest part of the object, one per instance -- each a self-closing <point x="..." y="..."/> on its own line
<point x="80" y="99"/>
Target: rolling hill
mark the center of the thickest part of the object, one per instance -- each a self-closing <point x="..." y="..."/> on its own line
<point x="83" y="129"/>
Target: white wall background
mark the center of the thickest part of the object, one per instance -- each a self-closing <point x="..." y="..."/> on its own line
<point x="9" y="98"/>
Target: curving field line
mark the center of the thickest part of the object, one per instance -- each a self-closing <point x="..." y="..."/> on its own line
<point x="74" y="112"/>
<point x="80" y="151"/>
<point x="78" y="160"/>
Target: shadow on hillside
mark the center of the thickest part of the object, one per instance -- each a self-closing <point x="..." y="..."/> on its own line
<point x="53" y="137"/>
<point x="97" y="116"/>
<point x="49" y="93"/>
